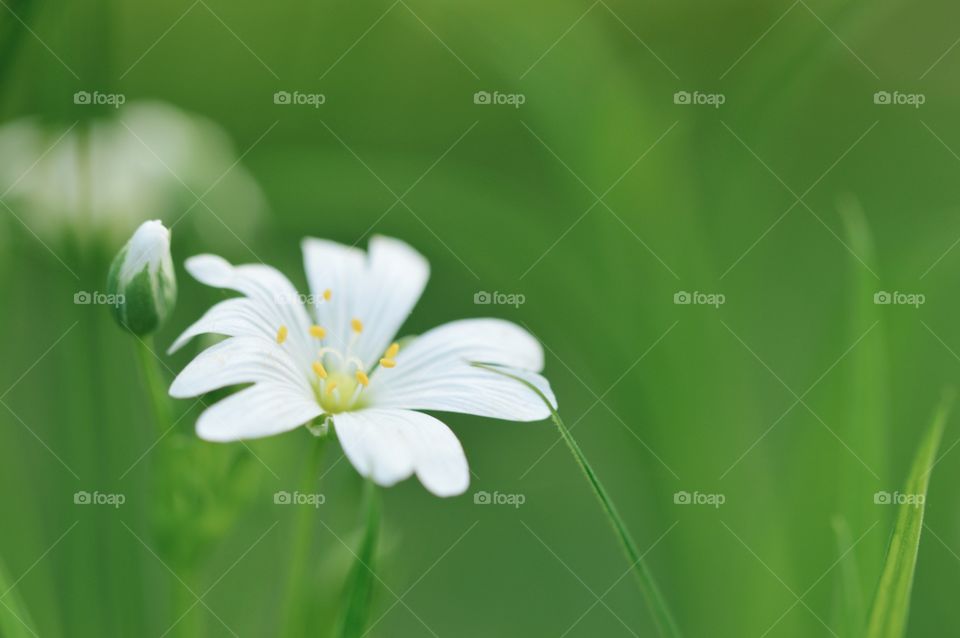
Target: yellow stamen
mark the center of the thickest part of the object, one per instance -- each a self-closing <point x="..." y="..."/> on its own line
<point x="319" y="369"/>
<point x="362" y="378"/>
<point x="282" y="334"/>
<point x="387" y="363"/>
<point x="357" y="325"/>
<point x="392" y="351"/>
<point x="318" y="331"/>
<point x="327" y="294"/>
<point x="331" y="387"/>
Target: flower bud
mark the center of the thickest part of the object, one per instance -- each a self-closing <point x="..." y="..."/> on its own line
<point x="143" y="280"/>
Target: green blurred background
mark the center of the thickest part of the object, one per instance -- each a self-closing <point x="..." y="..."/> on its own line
<point x="797" y="399"/>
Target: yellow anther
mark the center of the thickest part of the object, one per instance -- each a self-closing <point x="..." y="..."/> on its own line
<point x="387" y="363"/>
<point x="327" y="294"/>
<point x="392" y="351"/>
<point x="318" y="331"/>
<point x="319" y="369"/>
<point x="362" y="378"/>
<point x="331" y="387"/>
<point x="282" y="334"/>
<point x="357" y="325"/>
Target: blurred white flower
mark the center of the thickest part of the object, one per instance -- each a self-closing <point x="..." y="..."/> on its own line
<point x="335" y="358"/>
<point x="104" y="177"/>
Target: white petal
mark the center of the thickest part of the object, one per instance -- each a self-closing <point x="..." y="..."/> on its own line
<point x="380" y="289"/>
<point x="148" y="248"/>
<point x="235" y="317"/>
<point x="339" y="269"/>
<point x="390" y="445"/>
<point x="435" y="372"/>
<point x="262" y="410"/>
<point x="274" y="300"/>
<point x="239" y="360"/>
<point x="396" y="279"/>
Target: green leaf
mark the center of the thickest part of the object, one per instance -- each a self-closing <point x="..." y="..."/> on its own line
<point x="358" y="591"/>
<point x="891" y="605"/>
<point x="15" y="621"/>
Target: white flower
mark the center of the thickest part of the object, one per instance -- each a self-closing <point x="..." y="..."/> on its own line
<point x="337" y="359"/>
<point x="102" y="177"/>
<point x="142" y="279"/>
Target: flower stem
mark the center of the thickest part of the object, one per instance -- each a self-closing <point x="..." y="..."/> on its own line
<point x="156" y="386"/>
<point x="185" y="608"/>
<point x="183" y="601"/>
<point x="295" y="594"/>
<point x="662" y="616"/>
<point x="359" y="588"/>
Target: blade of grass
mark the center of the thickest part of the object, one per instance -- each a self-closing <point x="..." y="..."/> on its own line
<point x="849" y="595"/>
<point x="866" y="426"/>
<point x="662" y="616"/>
<point x="891" y="604"/>
<point x="15" y="621"/>
<point x="358" y="591"/>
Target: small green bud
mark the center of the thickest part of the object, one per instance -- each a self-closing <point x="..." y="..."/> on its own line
<point x="143" y="280"/>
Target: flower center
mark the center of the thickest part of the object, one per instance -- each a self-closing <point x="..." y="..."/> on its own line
<point x="339" y="378"/>
<point x="338" y="392"/>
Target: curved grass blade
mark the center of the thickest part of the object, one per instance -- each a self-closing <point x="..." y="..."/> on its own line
<point x="662" y="616"/>
<point x="891" y="605"/>
<point x="15" y="621"/>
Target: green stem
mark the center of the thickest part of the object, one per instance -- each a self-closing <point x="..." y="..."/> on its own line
<point x="295" y="593"/>
<point x="159" y="401"/>
<point x="655" y="600"/>
<point x="156" y="386"/>
<point x="184" y="602"/>
<point x="359" y="588"/>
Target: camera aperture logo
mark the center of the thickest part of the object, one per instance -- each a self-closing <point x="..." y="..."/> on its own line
<point x="697" y="298"/>
<point x="299" y="498"/>
<point x="497" y="98"/>
<point x="496" y="298"/>
<point x="498" y="498"/>
<point x="897" y="298"/>
<point x="896" y="498"/>
<point x="297" y="98"/>
<point x="696" y="98"/>
<point x="96" y="298"/>
<point x="896" y="98"/>
<point x="86" y="98"/>
<point x="99" y="498"/>
<point x="699" y="498"/>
